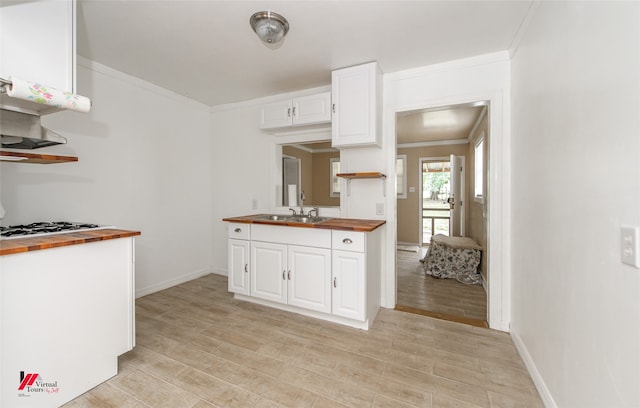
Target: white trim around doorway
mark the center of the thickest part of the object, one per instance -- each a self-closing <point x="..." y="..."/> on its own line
<point x="484" y="78"/>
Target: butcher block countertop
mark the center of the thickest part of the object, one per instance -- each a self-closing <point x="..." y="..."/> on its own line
<point x="26" y="244"/>
<point x="344" y="224"/>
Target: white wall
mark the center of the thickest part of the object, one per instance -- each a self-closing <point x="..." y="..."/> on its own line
<point x="144" y="164"/>
<point x="576" y="181"/>
<point x="241" y="160"/>
<point x="482" y="78"/>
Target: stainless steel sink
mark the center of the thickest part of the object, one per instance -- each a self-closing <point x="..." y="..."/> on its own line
<point x="274" y="217"/>
<point x="308" y="220"/>
<point x="292" y="218"/>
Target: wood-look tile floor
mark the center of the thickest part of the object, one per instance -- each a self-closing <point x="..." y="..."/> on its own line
<point x="448" y="296"/>
<point x="197" y="347"/>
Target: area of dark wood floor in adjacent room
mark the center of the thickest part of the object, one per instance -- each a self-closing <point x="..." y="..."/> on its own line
<point x="440" y="298"/>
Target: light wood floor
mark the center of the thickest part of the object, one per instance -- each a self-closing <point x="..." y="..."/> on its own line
<point x="198" y="347"/>
<point x="445" y="296"/>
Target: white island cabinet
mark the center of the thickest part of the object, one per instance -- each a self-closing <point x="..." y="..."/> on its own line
<point x="67" y="314"/>
<point x="328" y="274"/>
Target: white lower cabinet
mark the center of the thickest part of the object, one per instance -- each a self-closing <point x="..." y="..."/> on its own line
<point x="269" y="271"/>
<point x="348" y="299"/>
<point x="238" y="252"/>
<point x="332" y="275"/>
<point x="239" y="266"/>
<point x="309" y="283"/>
<point x="293" y="275"/>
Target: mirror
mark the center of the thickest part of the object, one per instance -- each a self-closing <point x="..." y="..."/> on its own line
<point x="308" y="166"/>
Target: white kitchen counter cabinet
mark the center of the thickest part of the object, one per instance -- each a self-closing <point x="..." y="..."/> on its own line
<point x="328" y="274"/>
<point x="67" y="314"/>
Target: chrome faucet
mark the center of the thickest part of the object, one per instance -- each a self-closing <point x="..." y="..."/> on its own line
<point x="294" y="211"/>
<point x="314" y="209"/>
<point x="302" y="203"/>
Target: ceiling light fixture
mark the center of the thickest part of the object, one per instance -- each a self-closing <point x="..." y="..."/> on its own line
<point x="269" y="26"/>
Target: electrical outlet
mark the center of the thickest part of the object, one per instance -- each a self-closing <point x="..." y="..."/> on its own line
<point x="379" y="208"/>
<point x="254" y="204"/>
<point x="412" y="189"/>
<point x="629" y="246"/>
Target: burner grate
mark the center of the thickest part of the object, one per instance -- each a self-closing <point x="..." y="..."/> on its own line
<point x="43" y="228"/>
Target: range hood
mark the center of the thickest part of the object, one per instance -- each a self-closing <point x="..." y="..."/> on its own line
<point x="23" y="131"/>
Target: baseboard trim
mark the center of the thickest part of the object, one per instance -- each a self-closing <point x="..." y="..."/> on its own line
<point x="172" y="282"/>
<point x="545" y="395"/>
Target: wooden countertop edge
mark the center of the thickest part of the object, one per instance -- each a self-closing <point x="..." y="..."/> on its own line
<point x="21" y="245"/>
<point x="351" y="224"/>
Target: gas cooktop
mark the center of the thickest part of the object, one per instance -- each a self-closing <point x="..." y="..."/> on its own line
<point x="44" y="228"/>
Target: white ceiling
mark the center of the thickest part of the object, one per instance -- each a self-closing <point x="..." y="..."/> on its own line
<point x="207" y="51"/>
<point x="434" y="125"/>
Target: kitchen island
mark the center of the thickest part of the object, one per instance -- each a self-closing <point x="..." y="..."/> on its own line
<point x="67" y="311"/>
<point x="327" y="268"/>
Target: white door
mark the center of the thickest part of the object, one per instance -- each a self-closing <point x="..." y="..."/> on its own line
<point x="309" y="278"/>
<point x="268" y="271"/>
<point x="456" y="200"/>
<point x="348" y="284"/>
<point x="239" y="266"/>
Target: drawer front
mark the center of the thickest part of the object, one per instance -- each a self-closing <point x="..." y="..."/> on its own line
<point x="239" y="230"/>
<point x="347" y="241"/>
<point x="320" y="238"/>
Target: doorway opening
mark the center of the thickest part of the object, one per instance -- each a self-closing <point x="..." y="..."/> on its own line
<point x="437" y="142"/>
<point x="434" y="200"/>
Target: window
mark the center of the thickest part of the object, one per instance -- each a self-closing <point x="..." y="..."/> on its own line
<point x="335" y="180"/>
<point x="478" y="168"/>
<point x="401" y="175"/>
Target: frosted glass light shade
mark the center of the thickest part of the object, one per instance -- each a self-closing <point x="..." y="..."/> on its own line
<point x="269" y="26"/>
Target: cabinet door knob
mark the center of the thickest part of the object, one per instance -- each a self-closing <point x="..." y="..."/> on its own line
<point x="334" y="282"/>
<point x="288" y="112"/>
<point x="347" y="241"/>
<point x="237" y="230"/>
<point x="284" y="275"/>
<point x="289" y="275"/>
<point x="246" y="268"/>
<point x="333" y="108"/>
<point x="294" y="111"/>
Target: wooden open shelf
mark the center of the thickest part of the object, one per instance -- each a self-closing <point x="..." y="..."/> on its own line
<point x="369" y="174"/>
<point x="20" y="157"/>
<point x="363" y="175"/>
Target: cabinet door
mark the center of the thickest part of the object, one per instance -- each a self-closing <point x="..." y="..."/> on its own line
<point x="239" y="266"/>
<point x="268" y="271"/>
<point x="309" y="278"/>
<point x="38" y="42"/>
<point x="348" y="284"/>
<point x="275" y="115"/>
<point x="312" y="109"/>
<point x="354" y="106"/>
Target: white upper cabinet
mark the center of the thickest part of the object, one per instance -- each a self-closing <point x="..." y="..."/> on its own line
<point x="37" y="43"/>
<point x="305" y="110"/>
<point x="357" y="96"/>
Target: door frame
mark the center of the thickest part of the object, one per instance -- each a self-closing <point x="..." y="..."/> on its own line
<point x="421" y="193"/>
<point x="483" y="78"/>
